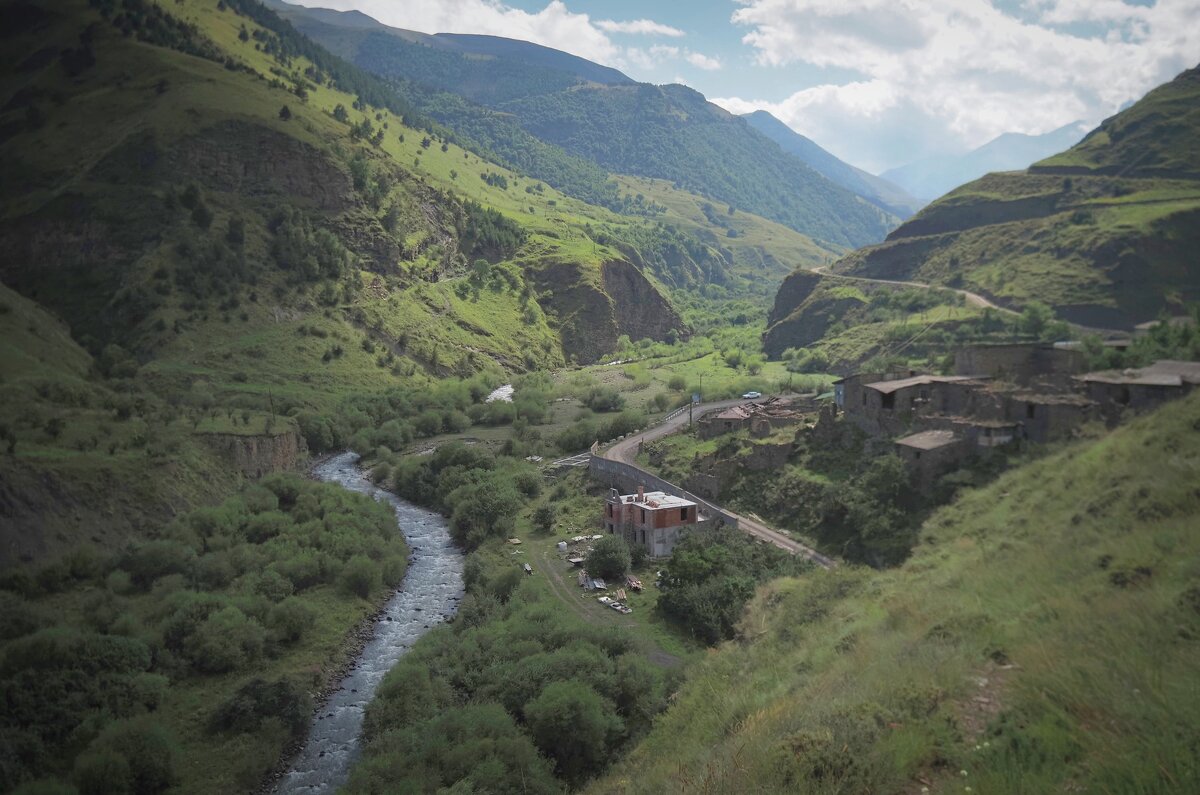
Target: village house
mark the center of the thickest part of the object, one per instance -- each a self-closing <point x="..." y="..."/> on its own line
<point x="930" y="453"/>
<point x="651" y="519"/>
<point x="761" y="419"/>
<point x="1140" y="389"/>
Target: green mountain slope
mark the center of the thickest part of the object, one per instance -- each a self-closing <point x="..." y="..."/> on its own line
<point x="239" y="241"/>
<point x="1156" y="137"/>
<point x="1105" y="232"/>
<point x="878" y="191"/>
<point x="1035" y="642"/>
<point x="664" y="132"/>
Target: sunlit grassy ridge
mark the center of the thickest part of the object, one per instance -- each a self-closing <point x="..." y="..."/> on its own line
<point x="1042" y="637"/>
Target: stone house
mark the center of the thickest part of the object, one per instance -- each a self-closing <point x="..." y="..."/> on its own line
<point x="761" y="419"/>
<point x="1022" y="362"/>
<point x="1140" y="389"/>
<point x="651" y="519"/>
<point x="932" y="453"/>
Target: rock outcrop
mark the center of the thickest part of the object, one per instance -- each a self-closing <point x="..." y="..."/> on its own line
<point x="259" y="455"/>
<point x="591" y="313"/>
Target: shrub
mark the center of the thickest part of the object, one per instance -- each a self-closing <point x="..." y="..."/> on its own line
<point x="360" y="576"/>
<point x="225" y="641"/>
<point x="135" y="756"/>
<point x="259" y="700"/>
<point x="609" y="558"/>
<point x="289" y="620"/>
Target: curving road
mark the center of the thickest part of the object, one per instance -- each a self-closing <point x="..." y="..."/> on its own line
<point x="626" y="450"/>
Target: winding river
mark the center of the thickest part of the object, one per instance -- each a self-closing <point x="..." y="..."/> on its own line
<point x="429" y="594"/>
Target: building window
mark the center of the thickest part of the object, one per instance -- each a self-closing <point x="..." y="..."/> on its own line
<point x="917" y="455"/>
<point x="864" y="398"/>
<point x="1030" y="410"/>
<point x="643" y="516"/>
<point x="889" y="401"/>
<point x="610" y="509"/>
<point x="683" y="514"/>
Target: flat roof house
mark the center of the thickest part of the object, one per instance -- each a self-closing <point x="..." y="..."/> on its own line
<point x="652" y="519"/>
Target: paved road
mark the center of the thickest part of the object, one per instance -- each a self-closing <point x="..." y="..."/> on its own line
<point x="626" y="450"/>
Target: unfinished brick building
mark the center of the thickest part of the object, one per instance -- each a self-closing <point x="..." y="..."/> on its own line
<point x="651" y="519"/>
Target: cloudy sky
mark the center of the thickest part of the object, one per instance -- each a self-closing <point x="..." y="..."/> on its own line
<point x="877" y="82"/>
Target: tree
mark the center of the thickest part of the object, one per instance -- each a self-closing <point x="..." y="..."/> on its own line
<point x="543" y="517"/>
<point x="571" y="723"/>
<point x="609" y="558"/>
<point x="285" y="113"/>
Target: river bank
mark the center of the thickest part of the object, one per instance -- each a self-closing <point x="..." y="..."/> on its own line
<point x="428" y="595"/>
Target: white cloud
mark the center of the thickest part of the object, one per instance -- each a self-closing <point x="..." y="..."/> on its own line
<point x="644" y="27"/>
<point x="553" y="26"/>
<point x="702" y="61"/>
<point x="960" y="72"/>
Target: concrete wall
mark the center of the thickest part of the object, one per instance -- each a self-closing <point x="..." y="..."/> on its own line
<point x="627" y="478"/>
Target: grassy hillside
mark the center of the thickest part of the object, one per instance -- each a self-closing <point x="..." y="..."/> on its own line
<point x="1153" y="138"/>
<point x="1033" y="643"/>
<point x="1104" y="232"/>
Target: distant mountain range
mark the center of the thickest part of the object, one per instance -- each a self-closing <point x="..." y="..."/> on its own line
<point x="879" y="191"/>
<point x="512" y="97"/>
<point x="930" y="177"/>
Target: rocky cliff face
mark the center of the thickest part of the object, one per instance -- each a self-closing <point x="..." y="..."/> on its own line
<point x="803" y="312"/>
<point x="592" y="313"/>
<point x="256" y="456"/>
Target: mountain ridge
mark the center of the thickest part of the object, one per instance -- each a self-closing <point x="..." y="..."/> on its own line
<point x="877" y="190"/>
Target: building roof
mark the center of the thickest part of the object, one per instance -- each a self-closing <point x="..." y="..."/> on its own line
<point x="887" y="387"/>
<point x="928" y="440"/>
<point x="1165" y="372"/>
<point x="656" y="500"/>
<point x="735" y="413"/>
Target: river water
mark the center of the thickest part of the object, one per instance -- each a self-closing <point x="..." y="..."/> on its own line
<point x="429" y="594"/>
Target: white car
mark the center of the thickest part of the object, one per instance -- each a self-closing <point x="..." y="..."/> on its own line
<point x="752" y="395"/>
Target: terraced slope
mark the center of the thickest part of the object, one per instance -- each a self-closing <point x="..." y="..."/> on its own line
<point x="1105" y="232"/>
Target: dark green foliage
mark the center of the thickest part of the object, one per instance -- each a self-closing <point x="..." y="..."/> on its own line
<point x="153" y="24"/>
<point x="56" y="680"/>
<point x="603" y="399"/>
<point x="361" y="576"/>
<point x="131" y="756"/>
<point x="62" y="686"/>
<point x="480" y="493"/>
<point x="571" y="724"/>
<point x="530" y="674"/>
<point x="609" y="558"/>
<point x="257" y="701"/>
<point x="712" y="574"/>
<point x="471" y="748"/>
<point x="309" y="252"/>
<point x="488" y="232"/>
